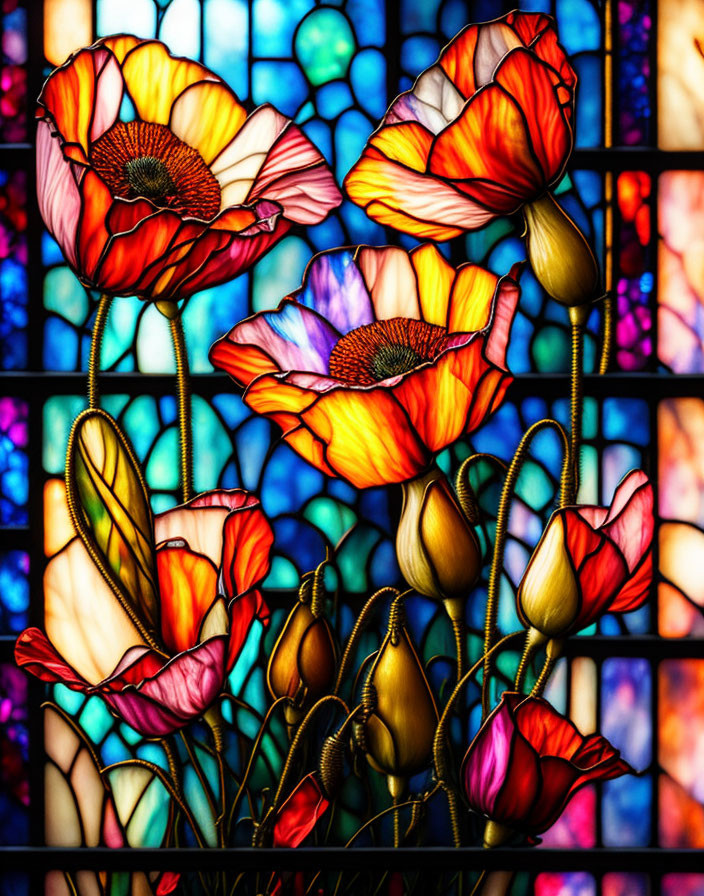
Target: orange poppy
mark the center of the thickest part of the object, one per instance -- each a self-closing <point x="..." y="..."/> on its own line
<point x="483" y="131"/>
<point x="380" y="360"/>
<point x="154" y="180"/>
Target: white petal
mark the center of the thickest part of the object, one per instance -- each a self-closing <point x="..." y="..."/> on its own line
<point x="83" y="618"/>
<point x="391" y="282"/>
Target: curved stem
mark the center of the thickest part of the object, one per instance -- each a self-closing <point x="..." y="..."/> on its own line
<point x="533" y="640"/>
<point x="545" y="673"/>
<point x="458" y="632"/>
<point x="465" y="494"/>
<point x="96" y="342"/>
<point x="497" y="563"/>
<point x="173" y="765"/>
<point x="295" y="744"/>
<point x="607" y="336"/>
<point x="441" y="744"/>
<point x="359" y="627"/>
<point x="183" y="390"/>
<point x="386" y="811"/>
<point x="252" y="756"/>
<point x="397" y="823"/>
<point x="576" y="401"/>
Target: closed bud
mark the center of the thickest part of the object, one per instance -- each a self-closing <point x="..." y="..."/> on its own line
<point x="549" y="594"/>
<point x="399" y="731"/>
<point x="331" y="765"/>
<point x="437" y="549"/>
<point x="304" y="659"/>
<point x="559" y="254"/>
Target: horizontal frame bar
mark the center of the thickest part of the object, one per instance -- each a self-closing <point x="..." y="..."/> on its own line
<point x="43" y="385"/>
<point x="599" y="647"/>
<point x="337" y="859"/>
<point x="617" y="158"/>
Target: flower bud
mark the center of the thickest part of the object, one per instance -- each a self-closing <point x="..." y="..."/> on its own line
<point x="437" y="549"/>
<point x="399" y="730"/>
<point x="548" y="595"/>
<point x="559" y="254"/>
<point x="303" y="662"/>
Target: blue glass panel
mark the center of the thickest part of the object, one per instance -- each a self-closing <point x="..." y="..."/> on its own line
<point x="115" y="16"/>
<point x="274" y="23"/>
<point x="368" y="77"/>
<point x="14" y="591"/>
<point x="282" y="82"/>
<point x="180" y="28"/>
<point x="13" y="268"/>
<point x="226" y="41"/>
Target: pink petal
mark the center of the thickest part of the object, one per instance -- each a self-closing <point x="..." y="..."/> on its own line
<point x="487" y="759"/>
<point x="630" y="521"/>
<point x="503" y="313"/>
<point x="57" y="191"/>
<point x="108" y="93"/>
<point x="183" y="689"/>
<point x="297" y="177"/>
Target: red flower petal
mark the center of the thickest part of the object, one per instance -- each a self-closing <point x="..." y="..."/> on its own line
<point x="300" y="813"/>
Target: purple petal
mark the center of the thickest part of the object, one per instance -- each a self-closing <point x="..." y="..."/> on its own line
<point x="334" y="287"/>
<point x="293" y="336"/>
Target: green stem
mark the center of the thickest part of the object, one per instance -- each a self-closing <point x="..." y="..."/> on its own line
<point x="502" y="516"/>
<point x="96" y="342"/>
<point x="183" y="391"/>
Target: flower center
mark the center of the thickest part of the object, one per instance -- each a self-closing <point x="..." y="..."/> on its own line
<point x="384" y="349"/>
<point x="140" y="158"/>
<point x="149" y="177"/>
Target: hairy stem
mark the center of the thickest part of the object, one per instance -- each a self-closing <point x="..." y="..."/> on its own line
<point x="183" y="391"/>
<point x="497" y="563"/>
<point x="96" y="343"/>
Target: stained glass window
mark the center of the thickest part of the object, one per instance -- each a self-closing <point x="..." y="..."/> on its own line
<point x="78" y="773"/>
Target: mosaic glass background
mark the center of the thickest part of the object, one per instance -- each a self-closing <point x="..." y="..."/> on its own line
<point x="328" y="67"/>
<point x="13" y="270"/>
<point x="13" y="72"/>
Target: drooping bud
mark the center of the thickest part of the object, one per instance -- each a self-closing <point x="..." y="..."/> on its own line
<point x="437" y="549"/>
<point x="559" y="254"/>
<point x="304" y="659"/>
<point x="331" y="765"/>
<point x="402" y="718"/>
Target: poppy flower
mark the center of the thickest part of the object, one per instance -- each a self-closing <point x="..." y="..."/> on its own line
<point x="210" y="554"/>
<point x="187" y="193"/>
<point x="380" y="360"/>
<point x="527" y="761"/>
<point x="591" y="560"/>
<point x="483" y="131"/>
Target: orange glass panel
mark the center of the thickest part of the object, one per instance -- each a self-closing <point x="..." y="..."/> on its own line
<point x="68" y="26"/>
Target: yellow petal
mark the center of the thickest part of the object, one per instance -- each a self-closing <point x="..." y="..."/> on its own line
<point x="207" y="116"/>
<point x="154" y="79"/>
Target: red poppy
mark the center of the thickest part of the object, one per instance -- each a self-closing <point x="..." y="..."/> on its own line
<point x="186" y="193"/>
<point x="528" y="760"/>
<point x="591" y="560"/>
<point x="483" y="131"/>
<point x="382" y="358"/>
<point x="210" y="555"/>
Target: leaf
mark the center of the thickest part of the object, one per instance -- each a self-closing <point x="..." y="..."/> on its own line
<point x="110" y="509"/>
